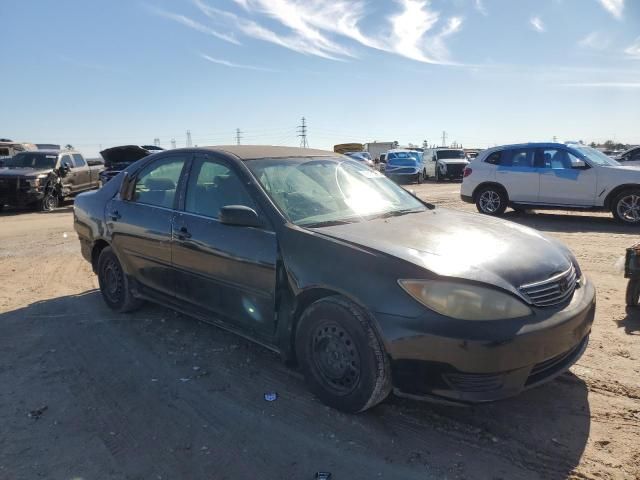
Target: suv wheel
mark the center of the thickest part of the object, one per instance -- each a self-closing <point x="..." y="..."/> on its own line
<point x="114" y="285"/>
<point x="342" y="358"/>
<point x="626" y="207"/>
<point x="491" y="200"/>
<point x="420" y="178"/>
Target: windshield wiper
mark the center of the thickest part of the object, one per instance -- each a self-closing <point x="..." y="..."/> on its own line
<point x="398" y="213"/>
<point x="327" y="223"/>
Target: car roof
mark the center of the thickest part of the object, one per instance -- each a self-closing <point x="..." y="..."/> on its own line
<point x="254" y="152"/>
<point x="538" y="145"/>
<point x="395" y="150"/>
<point x="49" y="151"/>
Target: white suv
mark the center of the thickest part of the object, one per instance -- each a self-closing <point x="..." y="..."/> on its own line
<point x="551" y="175"/>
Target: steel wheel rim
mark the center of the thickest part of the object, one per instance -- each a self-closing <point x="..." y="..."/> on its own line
<point x="112" y="280"/>
<point x="336" y="357"/>
<point x="50" y="202"/>
<point x="628" y="208"/>
<point x="490" y="201"/>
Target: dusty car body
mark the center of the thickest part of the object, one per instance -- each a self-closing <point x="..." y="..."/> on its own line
<point x="431" y="302"/>
<point x="45" y="177"/>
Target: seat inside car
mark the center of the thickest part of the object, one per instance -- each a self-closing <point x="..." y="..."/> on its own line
<point x="159" y="191"/>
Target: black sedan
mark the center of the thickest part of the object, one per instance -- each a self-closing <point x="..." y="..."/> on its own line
<point x="363" y="286"/>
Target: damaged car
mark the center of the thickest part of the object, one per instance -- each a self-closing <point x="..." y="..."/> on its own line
<point x="117" y="159"/>
<point x="43" y="178"/>
<point x="365" y="287"/>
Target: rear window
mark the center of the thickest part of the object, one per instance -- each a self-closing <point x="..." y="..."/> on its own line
<point x="494" y="158"/>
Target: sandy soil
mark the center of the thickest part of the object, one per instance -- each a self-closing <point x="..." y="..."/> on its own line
<point x="85" y="393"/>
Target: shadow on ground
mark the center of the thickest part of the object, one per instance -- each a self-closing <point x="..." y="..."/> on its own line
<point x="631" y="323"/>
<point x="556" y="222"/>
<point x="157" y="394"/>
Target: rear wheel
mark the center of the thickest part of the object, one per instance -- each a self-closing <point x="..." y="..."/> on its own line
<point x="491" y="200"/>
<point x="420" y="177"/>
<point x="342" y="358"/>
<point x="114" y="284"/>
<point x="626" y="207"/>
<point x="437" y="174"/>
<point x="633" y="292"/>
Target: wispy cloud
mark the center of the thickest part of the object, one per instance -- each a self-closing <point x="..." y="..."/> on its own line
<point x="633" y="50"/>
<point x="82" y="64"/>
<point x="316" y="27"/>
<point x="227" y="63"/>
<point x="595" y="41"/>
<point x="536" y="23"/>
<point x="479" y="4"/>
<point x="614" y="7"/>
<point x="188" y="22"/>
<point x="617" y="85"/>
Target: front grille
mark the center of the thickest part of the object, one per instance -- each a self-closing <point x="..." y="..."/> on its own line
<point x="552" y="291"/>
<point x="455" y="170"/>
<point x="9" y="188"/>
<point x="475" y="382"/>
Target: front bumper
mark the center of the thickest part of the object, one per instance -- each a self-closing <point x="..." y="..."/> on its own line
<point x="21" y="198"/>
<point x="492" y="363"/>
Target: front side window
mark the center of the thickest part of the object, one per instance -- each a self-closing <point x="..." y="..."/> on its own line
<point x="319" y="191"/>
<point x="211" y="186"/>
<point x="67" y="159"/>
<point x="156" y="184"/>
<point x="556" y="159"/>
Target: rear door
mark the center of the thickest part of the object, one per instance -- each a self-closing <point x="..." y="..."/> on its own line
<point x="228" y="271"/>
<point x="518" y="174"/>
<point x="82" y="174"/>
<point x="140" y="227"/>
<point x="562" y="182"/>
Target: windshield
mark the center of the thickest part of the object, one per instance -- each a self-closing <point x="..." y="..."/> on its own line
<point x="32" y="160"/>
<point x="447" y="154"/>
<point x="596" y="157"/>
<point x="322" y="191"/>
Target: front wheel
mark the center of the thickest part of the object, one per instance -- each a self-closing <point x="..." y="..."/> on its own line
<point x="114" y="284"/>
<point x="420" y="178"/>
<point x="437" y="175"/>
<point x="341" y="355"/>
<point x="49" y="202"/>
<point x="491" y="201"/>
<point x="626" y="207"/>
<point x="633" y="292"/>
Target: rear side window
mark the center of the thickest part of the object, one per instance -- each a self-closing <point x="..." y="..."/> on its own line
<point x="78" y="160"/>
<point x="521" y="158"/>
<point x="494" y="158"/>
<point x="157" y="183"/>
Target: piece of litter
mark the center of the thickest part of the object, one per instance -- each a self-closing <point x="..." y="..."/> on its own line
<point x="64" y="235"/>
<point x="185" y="379"/>
<point x="270" y="396"/>
<point x="323" y="475"/>
<point x="195" y="368"/>
<point x="37" y="413"/>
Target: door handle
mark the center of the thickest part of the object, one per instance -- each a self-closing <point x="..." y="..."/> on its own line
<point x="183" y="234"/>
<point x="115" y="216"/>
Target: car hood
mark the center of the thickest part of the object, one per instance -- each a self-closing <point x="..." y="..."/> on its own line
<point x="123" y="155"/>
<point x="13" y="172"/>
<point x="461" y="245"/>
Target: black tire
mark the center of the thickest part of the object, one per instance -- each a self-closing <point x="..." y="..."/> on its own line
<point x="49" y="202"/>
<point x="626" y="207"/>
<point x="491" y="200"/>
<point x="420" y="178"/>
<point x="633" y="292"/>
<point x="114" y="284"/>
<point x="342" y="358"/>
<point x="437" y="174"/>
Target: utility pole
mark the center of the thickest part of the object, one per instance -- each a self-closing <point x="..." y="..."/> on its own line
<point x="156" y="142"/>
<point x="189" y="138"/>
<point x="173" y="143"/>
<point x="238" y="136"/>
<point x="444" y="139"/>
<point x="303" y="133"/>
<point x="555" y="139"/>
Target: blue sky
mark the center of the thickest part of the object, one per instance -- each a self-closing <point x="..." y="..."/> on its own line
<point x="102" y="73"/>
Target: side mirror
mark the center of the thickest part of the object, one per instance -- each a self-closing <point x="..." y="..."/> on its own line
<point x="240" y="216"/>
<point x="579" y="165"/>
<point x="64" y="169"/>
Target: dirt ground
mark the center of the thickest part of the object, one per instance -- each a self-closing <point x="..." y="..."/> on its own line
<point x="88" y="394"/>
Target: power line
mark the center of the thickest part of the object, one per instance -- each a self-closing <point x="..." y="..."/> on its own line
<point x="238" y="136"/>
<point x="303" y="134"/>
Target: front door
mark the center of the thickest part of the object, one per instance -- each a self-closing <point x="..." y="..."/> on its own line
<point x="518" y="174"/>
<point x="229" y="271"/>
<point x="70" y="180"/>
<point x="141" y="226"/>
<point x="82" y="173"/>
<point x="562" y="182"/>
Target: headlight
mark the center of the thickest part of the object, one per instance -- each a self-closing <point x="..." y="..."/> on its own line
<point x="465" y="301"/>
